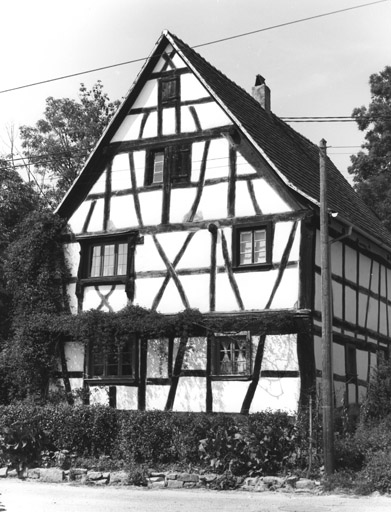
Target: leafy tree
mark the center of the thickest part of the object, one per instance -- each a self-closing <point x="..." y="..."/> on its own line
<point x="371" y="168"/>
<point x="59" y="144"/>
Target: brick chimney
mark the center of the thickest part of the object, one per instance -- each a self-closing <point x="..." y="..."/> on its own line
<point x="261" y="93"/>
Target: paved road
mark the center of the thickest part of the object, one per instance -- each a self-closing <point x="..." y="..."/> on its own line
<point x="19" y="496"/>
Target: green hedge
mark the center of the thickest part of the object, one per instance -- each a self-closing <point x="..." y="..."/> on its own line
<point x="257" y="443"/>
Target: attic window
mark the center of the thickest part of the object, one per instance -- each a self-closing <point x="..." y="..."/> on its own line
<point x="172" y="164"/>
<point x="252" y="246"/>
<point x="169" y="90"/>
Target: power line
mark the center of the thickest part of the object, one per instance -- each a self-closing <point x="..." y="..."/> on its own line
<point x="216" y="41"/>
<point x="333" y="119"/>
<point x="289" y="23"/>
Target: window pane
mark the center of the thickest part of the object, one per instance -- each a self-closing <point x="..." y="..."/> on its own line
<point x="225" y="357"/>
<point x="240" y="349"/>
<point x="108" y="260"/>
<point x="234" y="356"/>
<point x="245" y="247"/>
<point x="260" y="246"/>
<point x="112" y="363"/>
<point x="96" y="261"/>
<point x="158" y="167"/>
<point x="126" y="358"/>
<point x="97" y="364"/>
<point x="122" y="262"/>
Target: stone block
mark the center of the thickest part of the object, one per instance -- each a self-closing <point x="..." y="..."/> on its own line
<point x="251" y="481"/>
<point x="277" y="481"/>
<point x="305" y="484"/>
<point x="3" y="472"/>
<point x="261" y="487"/>
<point x="102" y="481"/>
<point x="157" y="485"/>
<point x="52" y="475"/>
<point x="291" y="481"/>
<point x="79" y="471"/>
<point x="208" y="478"/>
<point x="190" y="485"/>
<point x="34" y="473"/>
<point x="94" y="475"/>
<point x="154" y="479"/>
<point x="188" y="477"/>
<point x="174" y="484"/>
<point x="12" y="473"/>
<point x="119" y="478"/>
<point x="172" y="476"/>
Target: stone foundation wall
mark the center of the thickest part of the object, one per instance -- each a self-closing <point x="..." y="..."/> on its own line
<point x="170" y="479"/>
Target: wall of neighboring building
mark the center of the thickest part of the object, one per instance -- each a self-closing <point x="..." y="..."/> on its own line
<point x="361" y="280"/>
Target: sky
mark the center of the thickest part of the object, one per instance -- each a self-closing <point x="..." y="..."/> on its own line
<point x="318" y="67"/>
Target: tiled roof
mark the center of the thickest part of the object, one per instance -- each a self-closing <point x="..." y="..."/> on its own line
<point x="294" y="157"/>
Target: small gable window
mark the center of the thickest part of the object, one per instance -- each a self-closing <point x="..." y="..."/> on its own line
<point x="252" y="246"/>
<point x="231" y="355"/>
<point x="109" y="260"/>
<point x="168" y="165"/>
<point x="169" y="90"/>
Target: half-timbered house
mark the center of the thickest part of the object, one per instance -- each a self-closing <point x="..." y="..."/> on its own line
<point x="198" y="196"/>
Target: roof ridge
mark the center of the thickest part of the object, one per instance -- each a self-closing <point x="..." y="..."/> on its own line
<point x="178" y="39"/>
<point x="243" y="90"/>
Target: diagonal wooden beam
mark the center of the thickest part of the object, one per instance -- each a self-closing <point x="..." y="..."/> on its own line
<point x="177" y="259"/>
<point x="200" y="186"/>
<point x="104" y="298"/>
<point x="195" y="117"/>
<point x="136" y="198"/>
<point x="254" y="201"/>
<point x="169" y="62"/>
<point x="176" y="373"/>
<point x="255" y="377"/>
<point x="283" y="264"/>
<point x="171" y="271"/>
<point x="231" y="276"/>
<point x="142" y="124"/>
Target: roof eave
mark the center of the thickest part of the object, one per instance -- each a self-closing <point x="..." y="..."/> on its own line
<point x="62" y="208"/>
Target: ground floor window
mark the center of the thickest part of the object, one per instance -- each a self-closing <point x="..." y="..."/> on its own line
<point x="118" y="360"/>
<point x="231" y="354"/>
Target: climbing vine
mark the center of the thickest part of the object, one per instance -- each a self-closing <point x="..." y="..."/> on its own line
<point x="36" y="275"/>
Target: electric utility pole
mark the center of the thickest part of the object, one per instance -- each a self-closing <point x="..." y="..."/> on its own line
<point x="327" y="373"/>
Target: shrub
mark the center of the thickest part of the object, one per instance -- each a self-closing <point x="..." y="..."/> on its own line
<point x="349" y="453"/>
<point x="373" y="436"/>
<point x="260" y="444"/>
<point x="377" y="473"/>
<point x="377" y="404"/>
<point x="108" y="438"/>
<point x="21" y="443"/>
